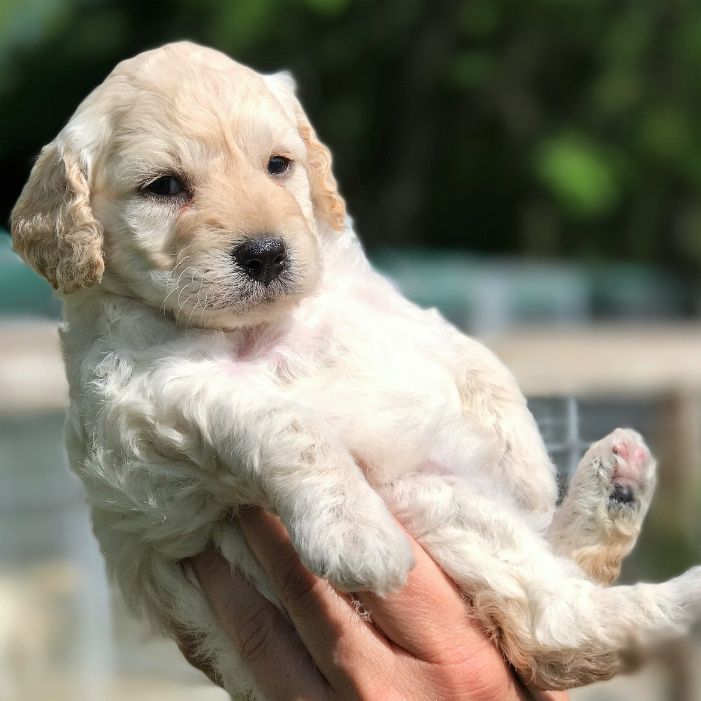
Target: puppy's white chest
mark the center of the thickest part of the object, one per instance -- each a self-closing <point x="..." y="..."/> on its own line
<point x="366" y="372"/>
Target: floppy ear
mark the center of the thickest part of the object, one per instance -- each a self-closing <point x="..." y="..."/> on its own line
<point x="329" y="206"/>
<point x="53" y="228"/>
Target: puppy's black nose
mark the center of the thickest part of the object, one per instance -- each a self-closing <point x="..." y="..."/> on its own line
<point x="262" y="259"/>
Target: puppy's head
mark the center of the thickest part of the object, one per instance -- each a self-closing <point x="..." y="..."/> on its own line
<point x="188" y="181"/>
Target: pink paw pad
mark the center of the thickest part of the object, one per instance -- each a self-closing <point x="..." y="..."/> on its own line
<point x="631" y="452"/>
<point x="631" y="470"/>
<point x="633" y="460"/>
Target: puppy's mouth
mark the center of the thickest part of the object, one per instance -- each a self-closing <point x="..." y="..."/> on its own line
<point x="222" y="284"/>
<point x="244" y="297"/>
<point x="254" y="292"/>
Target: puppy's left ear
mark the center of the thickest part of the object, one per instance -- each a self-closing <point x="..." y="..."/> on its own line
<point x="329" y="207"/>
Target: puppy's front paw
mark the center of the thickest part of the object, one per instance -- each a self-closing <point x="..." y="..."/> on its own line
<point x="373" y="557"/>
<point x="358" y="552"/>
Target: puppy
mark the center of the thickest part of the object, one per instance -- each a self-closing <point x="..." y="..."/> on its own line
<point x="227" y="343"/>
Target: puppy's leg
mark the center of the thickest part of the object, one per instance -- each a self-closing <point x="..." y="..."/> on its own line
<point x="599" y="520"/>
<point x="492" y="400"/>
<point x="338" y="524"/>
<point x="557" y="628"/>
<point x="259" y="449"/>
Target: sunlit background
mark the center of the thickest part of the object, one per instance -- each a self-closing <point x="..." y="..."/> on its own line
<point x="531" y="169"/>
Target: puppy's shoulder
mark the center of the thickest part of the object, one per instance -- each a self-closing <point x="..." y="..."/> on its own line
<point x="111" y="339"/>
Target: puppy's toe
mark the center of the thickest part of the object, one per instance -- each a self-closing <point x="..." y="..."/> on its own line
<point x="633" y="475"/>
<point x="377" y="560"/>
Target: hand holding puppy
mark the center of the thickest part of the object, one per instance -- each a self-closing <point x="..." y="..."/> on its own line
<point x="420" y="644"/>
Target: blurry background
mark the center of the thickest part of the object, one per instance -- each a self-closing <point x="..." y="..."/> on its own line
<point x="532" y="169"/>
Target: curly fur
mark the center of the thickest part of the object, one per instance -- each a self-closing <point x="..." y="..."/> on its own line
<point x="53" y="227"/>
<point x="324" y="396"/>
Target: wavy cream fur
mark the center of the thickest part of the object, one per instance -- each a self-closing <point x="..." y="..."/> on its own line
<point x="328" y="399"/>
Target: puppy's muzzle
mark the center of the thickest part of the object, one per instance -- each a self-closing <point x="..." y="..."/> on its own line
<point x="262" y="259"/>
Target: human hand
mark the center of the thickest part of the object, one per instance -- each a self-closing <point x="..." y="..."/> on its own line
<point x="421" y="642"/>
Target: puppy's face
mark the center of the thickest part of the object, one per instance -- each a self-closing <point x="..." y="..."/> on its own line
<point x="188" y="181"/>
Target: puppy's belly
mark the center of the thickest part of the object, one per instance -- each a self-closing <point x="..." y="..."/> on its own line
<point x="395" y="422"/>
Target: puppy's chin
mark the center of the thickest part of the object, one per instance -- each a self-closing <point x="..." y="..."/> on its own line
<point x="235" y="318"/>
<point x="256" y="304"/>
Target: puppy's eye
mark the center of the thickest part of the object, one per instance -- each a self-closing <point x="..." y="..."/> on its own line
<point x="165" y="186"/>
<point x="278" y="165"/>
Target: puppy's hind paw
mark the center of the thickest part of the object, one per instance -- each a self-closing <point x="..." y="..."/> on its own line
<point x="601" y="516"/>
<point x="633" y="476"/>
<point x="623" y="470"/>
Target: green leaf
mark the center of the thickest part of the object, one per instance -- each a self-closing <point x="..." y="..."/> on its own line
<point x="581" y="174"/>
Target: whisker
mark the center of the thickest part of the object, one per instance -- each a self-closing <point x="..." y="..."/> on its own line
<point x="175" y="287"/>
<point x="185" y="286"/>
<point x="194" y="306"/>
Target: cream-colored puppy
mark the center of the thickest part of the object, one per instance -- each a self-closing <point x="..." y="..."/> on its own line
<point x="227" y="343"/>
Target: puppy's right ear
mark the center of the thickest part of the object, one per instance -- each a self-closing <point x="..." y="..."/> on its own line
<point x="53" y="227"/>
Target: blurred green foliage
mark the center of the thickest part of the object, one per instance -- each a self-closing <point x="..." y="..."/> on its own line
<point x="553" y="128"/>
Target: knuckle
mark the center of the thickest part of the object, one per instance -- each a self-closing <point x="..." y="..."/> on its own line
<point x="254" y="633"/>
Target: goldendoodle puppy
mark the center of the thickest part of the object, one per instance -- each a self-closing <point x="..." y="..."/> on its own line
<point x="227" y="343"/>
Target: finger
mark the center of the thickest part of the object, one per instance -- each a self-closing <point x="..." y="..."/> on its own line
<point x="327" y="621"/>
<point x="429" y="617"/>
<point x="266" y="641"/>
<point x="190" y="650"/>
